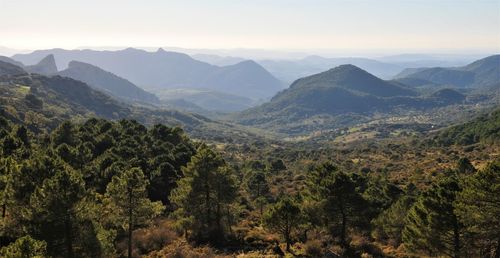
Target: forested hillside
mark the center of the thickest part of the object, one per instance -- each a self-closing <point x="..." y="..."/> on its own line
<point x="109" y="189"/>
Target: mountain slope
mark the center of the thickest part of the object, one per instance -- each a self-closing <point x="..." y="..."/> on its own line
<point x="10" y="69"/>
<point x="164" y="69"/>
<point x="42" y="103"/>
<point x="107" y="82"/>
<point x="481" y="73"/>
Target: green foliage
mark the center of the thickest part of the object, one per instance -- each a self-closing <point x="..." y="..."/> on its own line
<point x="25" y="247"/>
<point x="432" y="226"/>
<point x="53" y="210"/>
<point x="389" y="224"/>
<point x="128" y="198"/>
<point x="205" y="194"/>
<point x="485" y="128"/>
<point x="284" y="217"/>
<point x="478" y="207"/>
<point x="338" y="200"/>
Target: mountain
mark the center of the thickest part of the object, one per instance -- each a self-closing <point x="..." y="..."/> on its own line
<point x="164" y="69"/>
<point x="479" y="74"/>
<point x="10" y="69"/>
<point x="344" y="92"/>
<point x="246" y="78"/>
<point x="46" y="66"/>
<point x="107" y="82"/>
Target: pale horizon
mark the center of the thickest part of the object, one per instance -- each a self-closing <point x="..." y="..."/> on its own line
<point x="319" y="26"/>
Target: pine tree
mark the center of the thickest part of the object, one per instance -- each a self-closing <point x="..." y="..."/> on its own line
<point x="284" y="217"/>
<point x="340" y="203"/>
<point x="25" y="247"/>
<point x="127" y="194"/>
<point x="8" y="169"/>
<point x="478" y="207"/>
<point x="54" y="209"/>
<point x="205" y="194"/>
<point x="432" y="225"/>
<point x="258" y="188"/>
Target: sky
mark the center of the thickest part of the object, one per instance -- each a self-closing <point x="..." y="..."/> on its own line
<point x="361" y="25"/>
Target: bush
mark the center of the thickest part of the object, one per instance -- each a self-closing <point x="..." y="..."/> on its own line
<point x="154" y="238"/>
<point x="313" y="248"/>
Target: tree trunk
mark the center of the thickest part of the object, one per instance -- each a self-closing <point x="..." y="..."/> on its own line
<point x="4" y="209"/>
<point x="497" y="251"/>
<point x="456" y="240"/>
<point x="343" y="240"/>
<point x="130" y="224"/>
<point x="68" y="236"/>
<point x="287" y="240"/>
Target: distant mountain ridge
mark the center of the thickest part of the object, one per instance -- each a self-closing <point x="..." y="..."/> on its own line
<point x="164" y="69"/>
<point x="481" y="73"/>
<point x="107" y="82"/>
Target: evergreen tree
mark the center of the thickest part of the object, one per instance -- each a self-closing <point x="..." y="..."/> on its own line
<point x="465" y="167"/>
<point x="340" y="203"/>
<point x="25" y="247"/>
<point x="284" y="217"/>
<point x="8" y="168"/>
<point x="127" y="194"/>
<point x="205" y="194"/>
<point x="258" y="188"/>
<point x="478" y="207"/>
<point x="432" y="225"/>
<point x="54" y="210"/>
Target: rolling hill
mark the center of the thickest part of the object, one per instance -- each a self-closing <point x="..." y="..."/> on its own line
<point x="165" y="69"/>
<point x="107" y="82"/>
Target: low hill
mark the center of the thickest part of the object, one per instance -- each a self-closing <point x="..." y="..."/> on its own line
<point x="107" y="82"/>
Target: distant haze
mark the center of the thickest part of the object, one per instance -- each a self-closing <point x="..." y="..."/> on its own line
<point x="351" y="26"/>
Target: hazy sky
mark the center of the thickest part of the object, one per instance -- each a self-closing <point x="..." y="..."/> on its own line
<point x="270" y="24"/>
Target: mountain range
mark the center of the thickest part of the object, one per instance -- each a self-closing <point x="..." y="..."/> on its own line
<point x="479" y="74"/>
<point x="164" y="69"/>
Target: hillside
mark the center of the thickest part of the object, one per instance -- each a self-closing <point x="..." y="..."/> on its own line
<point x="10" y="69"/>
<point x="485" y="128"/>
<point x="41" y="103"/>
<point x="479" y="74"/>
<point x="107" y="82"/>
<point x="165" y="69"/>
<point x="340" y="96"/>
